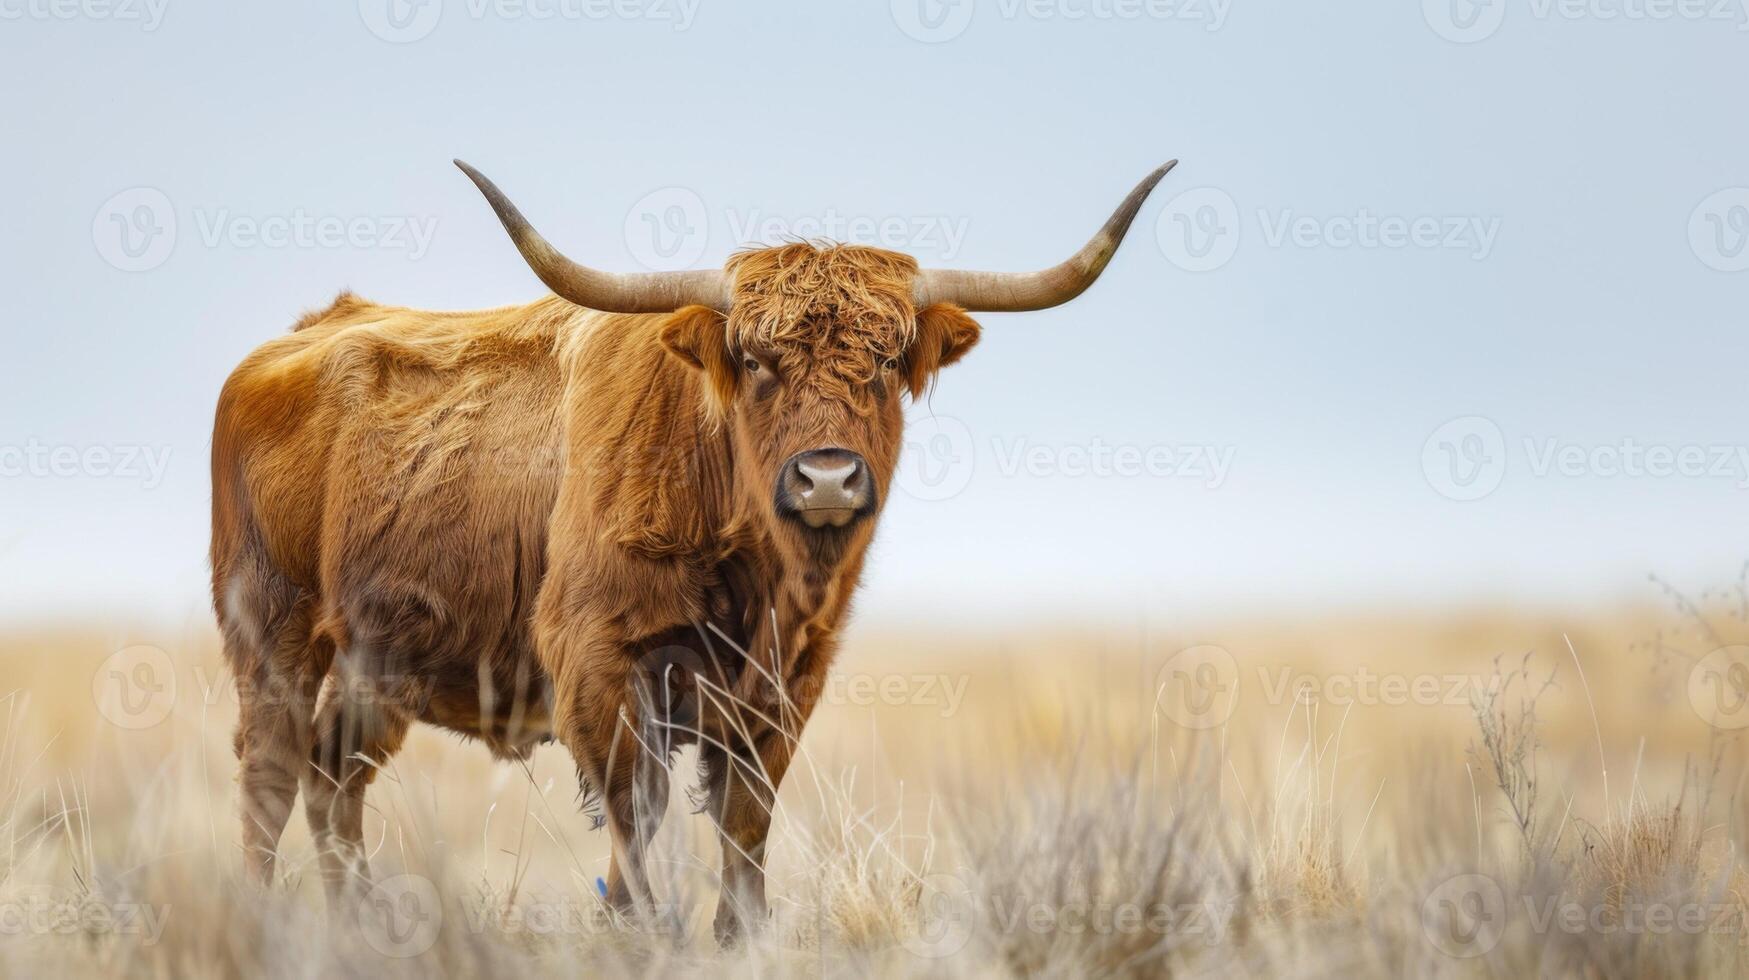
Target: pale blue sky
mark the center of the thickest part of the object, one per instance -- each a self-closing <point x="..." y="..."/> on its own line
<point x="1574" y="280"/>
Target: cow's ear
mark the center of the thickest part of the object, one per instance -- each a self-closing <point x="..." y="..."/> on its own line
<point x="698" y="335"/>
<point x="944" y="334"/>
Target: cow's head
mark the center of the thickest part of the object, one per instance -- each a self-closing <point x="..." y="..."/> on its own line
<point x="807" y="351"/>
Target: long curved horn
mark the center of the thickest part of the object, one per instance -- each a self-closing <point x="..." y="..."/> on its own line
<point x="610" y="292"/>
<point x="1014" y="292"/>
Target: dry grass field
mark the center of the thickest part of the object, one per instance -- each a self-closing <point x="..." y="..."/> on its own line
<point x="1485" y="792"/>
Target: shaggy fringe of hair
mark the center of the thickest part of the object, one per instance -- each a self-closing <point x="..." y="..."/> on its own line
<point x="784" y="293"/>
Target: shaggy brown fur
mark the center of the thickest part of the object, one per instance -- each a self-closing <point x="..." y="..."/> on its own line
<point x="509" y="523"/>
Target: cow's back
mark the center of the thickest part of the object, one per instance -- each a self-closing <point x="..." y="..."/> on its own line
<point x="397" y="468"/>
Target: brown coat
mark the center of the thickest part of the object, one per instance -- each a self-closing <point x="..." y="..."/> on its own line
<point x="519" y="523"/>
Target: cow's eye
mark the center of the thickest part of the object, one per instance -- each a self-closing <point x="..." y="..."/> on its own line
<point x="751" y="364"/>
<point x="890" y="364"/>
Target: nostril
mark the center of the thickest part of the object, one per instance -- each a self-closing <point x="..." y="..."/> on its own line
<point x="826" y="487"/>
<point x="821" y="478"/>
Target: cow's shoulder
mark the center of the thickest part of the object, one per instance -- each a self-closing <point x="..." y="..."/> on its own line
<point x="647" y="465"/>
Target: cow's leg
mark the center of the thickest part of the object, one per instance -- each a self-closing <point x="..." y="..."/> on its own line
<point x="355" y="732"/>
<point x="278" y="666"/>
<point x="599" y="722"/>
<point x="635" y="803"/>
<point x="741" y="788"/>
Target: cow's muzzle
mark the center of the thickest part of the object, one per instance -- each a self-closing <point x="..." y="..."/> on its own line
<point x="825" y="488"/>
